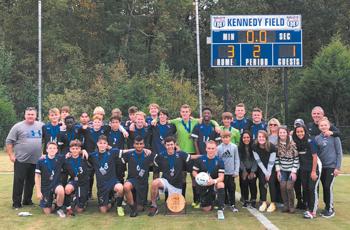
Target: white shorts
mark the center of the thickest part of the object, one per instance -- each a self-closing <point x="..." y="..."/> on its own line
<point x="167" y="187"/>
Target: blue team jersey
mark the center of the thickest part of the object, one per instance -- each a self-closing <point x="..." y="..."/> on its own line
<point x="203" y="133"/>
<point x="241" y="125"/>
<point x="158" y="134"/>
<point x="254" y="128"/>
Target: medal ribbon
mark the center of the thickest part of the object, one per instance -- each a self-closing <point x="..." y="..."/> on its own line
<point x="139" y="160"/>
<point x="75" y="167"/>
<point x="188" y="129"/>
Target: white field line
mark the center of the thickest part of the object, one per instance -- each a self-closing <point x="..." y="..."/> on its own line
<point x="259" y="216"/>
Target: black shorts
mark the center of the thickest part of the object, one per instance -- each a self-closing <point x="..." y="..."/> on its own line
<point x="140" y="190"/>
<point x="207" y="195"/>
<point x="81" y="193"/>
<point x="106" y="192"/>
<point x="48" y="197"/>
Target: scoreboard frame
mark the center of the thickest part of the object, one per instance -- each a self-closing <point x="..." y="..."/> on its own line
<point x="246" y="41"/>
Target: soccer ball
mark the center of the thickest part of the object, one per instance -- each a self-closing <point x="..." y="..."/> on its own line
<point x="202" y="178"/>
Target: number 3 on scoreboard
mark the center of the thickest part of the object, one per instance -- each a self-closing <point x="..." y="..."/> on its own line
<point x="256" y="51"/>
<point x="230" y="51"/>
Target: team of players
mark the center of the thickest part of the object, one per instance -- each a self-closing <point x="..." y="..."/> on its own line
<point x="66" y="173"/>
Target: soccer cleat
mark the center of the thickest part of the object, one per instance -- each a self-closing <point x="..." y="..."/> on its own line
<point x="153" y="211"/>
<point x="60" y="213"/>
<point x="120" y="211"/>
<point x="221" y="215"/>
<point x="133" y="211"/>
<point x="197" y="206"/>
<point x="328" y="214"/>
<point x="263" y="207"/>
<point x="309" y="215"/>
<point x="70" y="212"/>
<point x="233" y="208"/>
<point x="272" y="207"/>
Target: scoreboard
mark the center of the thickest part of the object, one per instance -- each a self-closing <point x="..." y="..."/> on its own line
<point x="256" y="41"/>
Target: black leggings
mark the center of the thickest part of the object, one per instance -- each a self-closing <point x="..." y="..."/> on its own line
<point x="327" y="179"/>
<point x="309" y="186"/>
<point x="271" y="184"/>
<point x="230" y="189"/>
<point x="248" y="186"/>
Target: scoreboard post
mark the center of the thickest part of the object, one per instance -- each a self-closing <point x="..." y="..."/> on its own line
<point x="256" y="41"/>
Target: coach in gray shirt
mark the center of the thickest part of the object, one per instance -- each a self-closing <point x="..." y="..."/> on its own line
<point x="23" y="146"/>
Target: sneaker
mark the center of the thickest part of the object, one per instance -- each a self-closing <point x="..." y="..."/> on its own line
<point x="70" y="212"/>
<point x="60" y="213"/>
<point x="16" y="206"/>
<point x="328" y="214"/>
<point x="29" y="203"/>
<point x="221" y="215"/>
<point x="197" y="206"/>
<point x="133" y="211"/>
<point x="263" y="207"/>
<point x="245" y="204"/>
<point x="272" y="207"/>
<point x="233" y="208"/>
<point x="153" y="211"/>
<point x="253" y="204"/>
<point x="309" y="215"/>
<point x="120" y="211"/>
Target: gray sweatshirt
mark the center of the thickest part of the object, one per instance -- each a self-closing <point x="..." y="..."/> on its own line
<point x="329" y="151"/>
<point x="26" y="139"/>
<point x="229" y="155"/>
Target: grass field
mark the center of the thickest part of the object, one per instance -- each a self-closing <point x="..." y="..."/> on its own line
<point x="194" y="219"/>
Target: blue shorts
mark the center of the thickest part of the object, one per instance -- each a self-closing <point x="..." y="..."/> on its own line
<point x="285" y="176"/>
<point x="106" y="192"/>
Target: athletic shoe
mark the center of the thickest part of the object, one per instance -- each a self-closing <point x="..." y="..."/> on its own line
<point x="263" y="207"/>
<point x="120" y="211"/>
<point x="153" y="211"/>
<point x="323" y="212"/>
<point x="60" y="213"/>
<point x="133" y="211"/>
<point x="272" y="207"/>
<point x="197" y="206"/>
<point x="233" y="208"/>
<point x="309" y="215"/>
<point x="328" y="214"/>
<point x="16" y="206"/>
<point x="253" y="204"/>
<point x="245" y="204"/>
<point x="221" y="215"/>
<point x="28" y="203"/>
<point x="70" y="212"/>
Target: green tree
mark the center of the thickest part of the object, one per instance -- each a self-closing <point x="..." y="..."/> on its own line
<point x="326" y="83"/>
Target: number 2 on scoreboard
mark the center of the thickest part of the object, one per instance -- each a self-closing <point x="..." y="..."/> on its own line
<point x="256" y="51"/>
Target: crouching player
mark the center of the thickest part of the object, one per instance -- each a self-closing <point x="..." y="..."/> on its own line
<point x="139" y="162"/>
<point x="103" y="162"/>
<point x="211" y="164"/>
<point x="77" y="188"/>
<point x="48" y="180"/>
<point x="171" y="163"/>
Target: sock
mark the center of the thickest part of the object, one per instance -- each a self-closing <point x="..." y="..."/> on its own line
<point x="195" y="194"/>
<point x="119" y="201"/>
<point x="184" y="189"/>
<point x="221" y="198"/>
